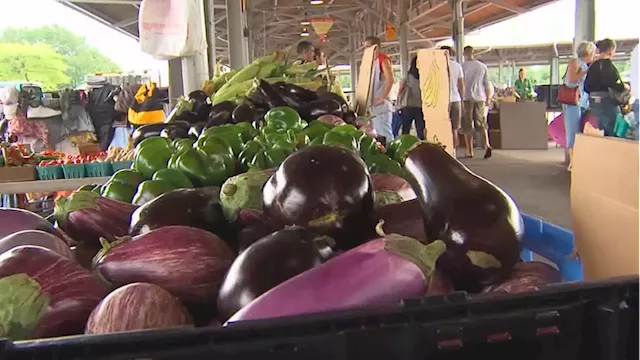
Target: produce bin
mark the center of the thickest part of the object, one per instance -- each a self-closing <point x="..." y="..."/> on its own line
<point x="571" y="320"/>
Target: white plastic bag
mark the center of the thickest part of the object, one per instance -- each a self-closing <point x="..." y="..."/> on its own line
<point x="171" y="28"/>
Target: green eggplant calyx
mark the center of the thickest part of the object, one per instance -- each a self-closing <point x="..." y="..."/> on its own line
<point x="107" y="246"/>
<point x="423" y="256"/>
<point x="326" y="220"/>
<point x="229" y="189"/>
<point x="483" y="260"/>
<point x="23" y="305"/>
<point x="386" y="197"/>
<point x="79" y="200"/>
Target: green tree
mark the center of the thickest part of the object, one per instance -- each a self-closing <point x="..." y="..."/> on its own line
<point x="34" y="63"/>
<point x="81" y="58"/>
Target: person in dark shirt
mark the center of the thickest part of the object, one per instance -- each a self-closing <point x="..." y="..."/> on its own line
<point x="602" y="76"/>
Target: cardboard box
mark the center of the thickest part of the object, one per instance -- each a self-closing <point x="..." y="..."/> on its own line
<point x="363" y="88"/>
<point x="17" y="173"/>
<point x="88" y="149"/>
<point x="433" y="66"/>
<point x="604" y="204"/>
<point x="523" y="125"/>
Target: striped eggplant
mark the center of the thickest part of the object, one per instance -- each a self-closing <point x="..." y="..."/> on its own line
<point x="375" y="275"/>
<point x="87" y="217"/>
<point x="188" y="262"/>
<point x="35" y="238"/>
<point x="44" y="294"/>
<point x="138" y="306"/>
<point x="14" y="220"/>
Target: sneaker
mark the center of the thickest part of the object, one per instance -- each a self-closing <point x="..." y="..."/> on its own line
<point x="487" y="153"/>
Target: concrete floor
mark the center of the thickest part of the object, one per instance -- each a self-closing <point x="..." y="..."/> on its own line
<point x="537" y="180"/>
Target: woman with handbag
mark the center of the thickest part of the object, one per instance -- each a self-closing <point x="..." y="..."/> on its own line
<point x="605" y="88"/>
<point x="410" y="101"/>
<point x="571" y="95"/>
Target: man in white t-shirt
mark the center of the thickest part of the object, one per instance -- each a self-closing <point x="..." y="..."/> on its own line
<point x="456" y="87"/>
<point x="477" y="94"/>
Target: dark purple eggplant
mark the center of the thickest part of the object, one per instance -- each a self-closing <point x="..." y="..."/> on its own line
<point x="187" y="116"/>
<point x="258" y="119"/>
<point x="258" y="100"/>
<point x="526" y="277"/>
<point x="271" y="95"/>
<point x="87" y="217"/>
<point x="300" y="93"/>
<point x="349" y="117"/>
<point x="173" y="131"/>
<point x="138" y="306"/>
<point x="201" y="104"/>
<point x="50" y="295"/>
<point x="190" y="263"/>
<point x="146" y="131"/>
<point x="324" y="188"/>
<point x="478" y="221"/>
<point x="313" y="110"/>
<point x="290" y="99"/>
<point x="249" y="233"/>
<point x="196" y="129"/>
<point x="35" y="238"/>
<point x="403" y="218"/>
<point x="199" y="208"/>
<point x="243" y="113"/>
<point x="14" y="220"/>
<point x="267" y="263"/>
<point x="220" y="114"/>
<point x="328" y="95"/>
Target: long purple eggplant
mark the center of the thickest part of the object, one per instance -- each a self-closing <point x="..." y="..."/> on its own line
<point x="87" y="217"/>
<point x="375" y="275"/>
<point x="14" y="220"/>
<point x="35" y="238"/>
<point x="48" y="294"/>
<point x="188" y="262"/>
<point x="526" y="277"/>
<point x="479" y="222"/>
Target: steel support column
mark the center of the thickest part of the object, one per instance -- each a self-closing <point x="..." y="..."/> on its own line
<point x="458" y="29"/>
<point x="403" y="36"/>
<point x="210" y="30"/>
<point x="500" y="73"/>
<point x="353" y="62"/>
<point x="554" y="73"/>
<point x="238" y="42"/>
<point x="585" y="22"/>
<point x="175" y="80"/>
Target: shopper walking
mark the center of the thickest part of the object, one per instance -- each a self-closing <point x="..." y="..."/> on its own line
<point x="477" y="95"/>
<point x="456" y="88"/>
<point x="381" y="84"/>
<point x="601" y="82"/>
<point x="574" y="78"/>
<point x="410" y="105"/>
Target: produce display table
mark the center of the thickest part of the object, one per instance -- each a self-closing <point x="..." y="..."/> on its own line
<point x="23" y="187"/>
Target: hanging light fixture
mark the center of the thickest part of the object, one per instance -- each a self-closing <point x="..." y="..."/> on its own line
<point x="316" y="2"/>
<point x="304" y="33"/>
<point x="305" y="22"/>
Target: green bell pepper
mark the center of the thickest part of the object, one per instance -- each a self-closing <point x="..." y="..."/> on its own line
<point x="247" y="131"/>
<point x="317" y="141"/>
<point x="349" y="129"/>
<point x="302" y="140"/>
<point x="151" y="189"/>
<point x="152" y="154"/>
<point x="283" y="117"/>
<point x="268" y="159"/>
<point x="174" y="177"/>
<point x="229" y="133"/>
<point x="381" y="163"/>
<point x="369" y="147"/>
<point x="200" y="168"/>
<point x="251" y="148"/>
<point x="316" y="129"/>
<point x="180" y="144"/>
<point x="343" y="139"/>
<point x="87" y="187"/>
<point x="398" y="148"/>
<point x="216" y="147"/>
<point x="122" y="185"/>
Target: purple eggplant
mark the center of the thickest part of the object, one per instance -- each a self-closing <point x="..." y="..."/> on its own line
<point x="324" y="188"/>
<point x="375" y="276"/>
<point x="47" y="294"/>
<point x="146" y="131"/>
<point x="199" y="208"/>
<point x="269" y="262"/>
<point x="87" y="217"/>
<point x="480" y="223"/>
<point x="270" y="94"/>
<point x="35" y="238"/>
<point x="243" y="113"/>
<point x="138" y="306"/>
<point x="190" y="263"/>
<point x="14" y="220"/>
<point x="526" y="277"/>
<point x="403" y="218"/>
<point x="391" y="189"/>
<point x="220" y="114"/>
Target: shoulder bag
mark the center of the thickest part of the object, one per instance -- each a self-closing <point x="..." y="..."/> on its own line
<point x="568" y="95"/>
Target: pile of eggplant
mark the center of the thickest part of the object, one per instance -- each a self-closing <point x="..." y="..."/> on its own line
<point x="305" y="237"/>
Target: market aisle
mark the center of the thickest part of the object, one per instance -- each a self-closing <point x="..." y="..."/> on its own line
<point x="537" y="180"/>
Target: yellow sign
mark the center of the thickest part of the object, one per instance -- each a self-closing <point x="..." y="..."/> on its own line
<point x="322" y="26"/>
<point x="390" y="32"/>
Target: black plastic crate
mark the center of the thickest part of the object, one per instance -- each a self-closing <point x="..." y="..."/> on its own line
<point x="597" y="320"/>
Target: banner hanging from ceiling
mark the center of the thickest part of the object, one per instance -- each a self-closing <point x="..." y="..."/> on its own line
<point x="322" y="26"/>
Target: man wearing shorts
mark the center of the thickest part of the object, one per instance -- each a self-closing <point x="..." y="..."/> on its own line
<point x="478" y="92"/>
<point x="456" y="87"/>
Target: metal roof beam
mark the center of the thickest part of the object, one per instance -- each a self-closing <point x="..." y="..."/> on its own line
<point x="504" y="5"/>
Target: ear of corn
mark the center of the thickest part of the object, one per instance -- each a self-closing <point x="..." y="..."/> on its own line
<point x="231" y="91"/>
<point x="267" y="70"/>
<point x="248" y="72"/>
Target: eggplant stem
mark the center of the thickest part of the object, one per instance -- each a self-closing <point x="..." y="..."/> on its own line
<point x="325" y="240"/>
<point x="230" y="189"/>
<point x="379" y="229"/>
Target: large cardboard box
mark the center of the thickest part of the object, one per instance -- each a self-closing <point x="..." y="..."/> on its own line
<point x="604" y="203"/>
<point x="363" y="88"/>
<point x="17" y="173"/>
<point x="523" y="125"/>
<point x="433" y="66"/>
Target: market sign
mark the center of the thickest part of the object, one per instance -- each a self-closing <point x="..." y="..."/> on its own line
<point x="322" y="26"/>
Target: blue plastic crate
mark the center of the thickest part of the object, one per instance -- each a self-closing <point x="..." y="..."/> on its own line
<point x="552" y="242"/>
